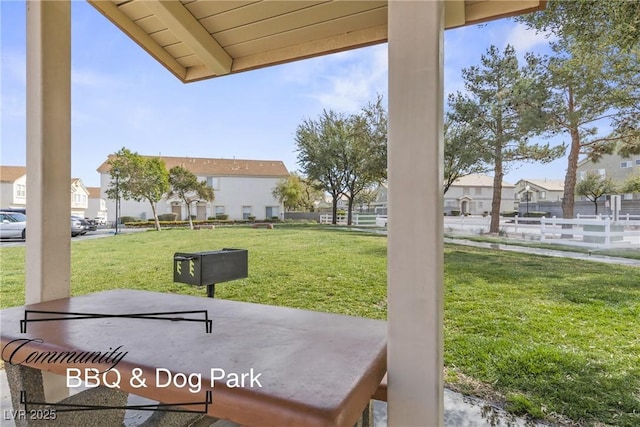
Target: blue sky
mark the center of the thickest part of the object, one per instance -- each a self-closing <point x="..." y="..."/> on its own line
<point x="123" y="97"/>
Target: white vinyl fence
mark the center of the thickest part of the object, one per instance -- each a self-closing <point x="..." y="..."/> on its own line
<point x="358" y="219"/>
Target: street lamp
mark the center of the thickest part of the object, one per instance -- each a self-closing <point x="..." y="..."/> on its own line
<point x="527" y="195"/>
<point x="116" y="172"/>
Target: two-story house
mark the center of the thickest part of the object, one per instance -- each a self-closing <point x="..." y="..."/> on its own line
<point x="612" y="166"/>
<point x="539" y="190"/>
<point x="473" y="194"/>
<point x="97" y="208"/>
<point x="13" y="190"/>
<point x="242" y="189"/>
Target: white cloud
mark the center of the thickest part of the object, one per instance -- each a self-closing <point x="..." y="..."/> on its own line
<point x="345" y="81"/>
<point x="525" y="40"/>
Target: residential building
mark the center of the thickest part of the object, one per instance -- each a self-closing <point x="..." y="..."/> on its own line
<point x="13" y="190"/>
<point x="242" y="189"/>
<point x="612" y="166"/>
<point x="540" y="190"/>
<point x="473" y="194"/>
<point x="13" y="186"/>
<point x="97" y="208"/>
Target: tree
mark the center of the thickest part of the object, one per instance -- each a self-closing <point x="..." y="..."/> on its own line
<point x="319" y="146"/>
<point x="593" y="186"/>
<point x="463" y="155"/>
<point x="592" y="79"/>
<point x="631" y="184"/>
<point x="297" y="193"/>
<point x="590" y="22"/>
<point x="496" y="109"/>
<point x="185" y="185"/>
<point x="364" y="157"/>
<point x="140" y="178"/>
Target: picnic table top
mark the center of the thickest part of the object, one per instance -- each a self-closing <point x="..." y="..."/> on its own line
<point x="308" y="368"/>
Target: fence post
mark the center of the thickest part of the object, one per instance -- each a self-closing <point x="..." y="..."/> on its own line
<point x="516" y="222"/>
<point x="578" y="215"/>
<point x="543" y="222"/>
<point x="607" y="232"/>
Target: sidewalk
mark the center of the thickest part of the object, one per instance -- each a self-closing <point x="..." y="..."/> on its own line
<point x="546" y="252"/>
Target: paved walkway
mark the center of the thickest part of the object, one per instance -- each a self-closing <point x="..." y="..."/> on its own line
<point x="547" y="252"/>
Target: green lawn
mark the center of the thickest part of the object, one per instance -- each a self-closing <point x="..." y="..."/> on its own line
<point x="553" y="338"/>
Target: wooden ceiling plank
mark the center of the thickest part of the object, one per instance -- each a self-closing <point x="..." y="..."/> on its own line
<point x="291" y="21"/>
<point x="202" y="9"/>
<point x="254" y="13"/>
<point x="454" y="13"/>
<point x="182" y="23"/>
<point x="134" y="10"/>
<point x="338" y="43"/>
<point x="494" y="9"/>
<point x="164" y="38"/>
<point x="122" y="21"/>
<point x="150" y="24"/>
<point x="371" y="18"/>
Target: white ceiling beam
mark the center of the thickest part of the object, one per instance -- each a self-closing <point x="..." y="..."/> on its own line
<point x="133" y="30"/>
<point x="189" y="30"/>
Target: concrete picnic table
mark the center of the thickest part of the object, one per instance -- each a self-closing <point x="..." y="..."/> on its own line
<point x="254" y="364"/>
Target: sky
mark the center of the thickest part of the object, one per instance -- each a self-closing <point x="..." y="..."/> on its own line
<point x="122" y="97"/>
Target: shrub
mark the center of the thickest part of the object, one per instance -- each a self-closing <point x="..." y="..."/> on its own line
<point x="251" y="218"/>
<point x="168" y="216"/>
<point x="536" y="214"/>
<point x="455" y="213"/>
<point x="124" y="219"/>
<point x="509" y="214"/>
<point x="222" y="217"/>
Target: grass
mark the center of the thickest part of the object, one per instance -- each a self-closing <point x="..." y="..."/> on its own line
<point x="551" y="338"/>
<point x="631" y="253"/>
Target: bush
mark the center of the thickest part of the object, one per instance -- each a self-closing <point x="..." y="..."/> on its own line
<point x="509" y="214"/>
<point x="251" y="218"/>
<point x="222" y="217"/>
<point x="124" y="219"/>
<point x="455" y="213"/>
<point x="168" y="216"/>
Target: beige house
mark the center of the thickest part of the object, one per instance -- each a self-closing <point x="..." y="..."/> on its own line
<point x="473" y="194"/>
<point x="97" y="208"/>
<point x="13" y="190"/>
<point x="179" y="36"/>
<point x="13" y="186"/>
<point x="612" y="166"/>
<point x="242" y="189"/>
<point x="539" y="190"/>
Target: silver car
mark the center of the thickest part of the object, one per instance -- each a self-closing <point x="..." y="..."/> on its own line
<point x="13" y="225"/>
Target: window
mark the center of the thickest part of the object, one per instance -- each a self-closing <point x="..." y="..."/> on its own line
<point x="602" y="172"/>
<point x="21" y="190"/>
<point x="272" y="211"/>
<point x="213" y="182"/>
<point x="543" y="195"/>
<point x="477" y="191"/>
<point x="628" y="196"/>
<point x="219" y="210"/>
<point x="581" y="175"/>
<point x="637" y="162"/>
<point x="626" y="164"/>
<point x="246" y="212"/>
<point x="465" y="190"/>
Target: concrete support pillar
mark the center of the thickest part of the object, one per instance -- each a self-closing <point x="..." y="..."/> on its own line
<point x="48" y="150"/>
<point x="415" y="241"/>
<point x="48" y="247"/>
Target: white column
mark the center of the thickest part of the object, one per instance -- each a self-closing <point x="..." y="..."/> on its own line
<point x="48" y="257"/>
<point x="415" y="244"/>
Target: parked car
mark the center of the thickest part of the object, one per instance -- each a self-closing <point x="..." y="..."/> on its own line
<point x="13" y="225"/>
<point x="92" y="225"/>
<point x="78" y="226"/>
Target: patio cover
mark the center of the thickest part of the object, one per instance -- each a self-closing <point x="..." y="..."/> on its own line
<point x="203" y="39"/>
